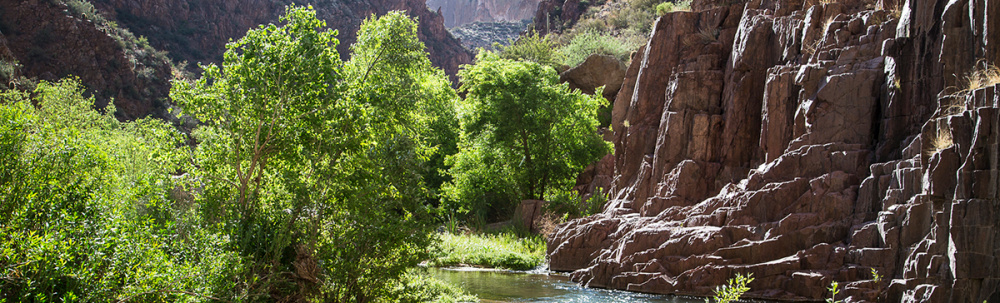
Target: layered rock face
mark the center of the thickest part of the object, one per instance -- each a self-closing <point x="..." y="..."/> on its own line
<point x="197" y="31"/>
<point x="50" y="44"/>
<point x="805" y="143"/>
<point x="461" y="12"/>
<point x="556" y="15"/>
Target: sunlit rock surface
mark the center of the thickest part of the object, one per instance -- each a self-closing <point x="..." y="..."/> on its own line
<point x="805" y="143"/>
<point x="461" y="12"/>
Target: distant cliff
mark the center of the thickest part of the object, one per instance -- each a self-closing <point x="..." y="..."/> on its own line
<point x="197" y="31"/>
<point x="115" y="49"/>
<point x="461" y="12"/>
<point x="805" y="142"/>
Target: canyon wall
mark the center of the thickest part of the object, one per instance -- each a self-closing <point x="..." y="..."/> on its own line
<point x="197" y="31"/>
<point x="50" y="41"/>
<point x="805" y="143"/>
<point x="461" y="12"/>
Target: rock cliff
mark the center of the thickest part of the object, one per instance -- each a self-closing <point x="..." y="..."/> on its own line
<point x="104" y="44"/>
<point x="804" y="142"/>
<point x="197" y="31"/>
<point x="461" y="12"/>
<point x="50" y="43"/>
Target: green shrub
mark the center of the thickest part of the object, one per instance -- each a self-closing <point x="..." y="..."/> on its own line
<point x="589" y="43"/>
<point x="418" y="286"/>
<point x="664" y="8"/>
<point x="84" y="207"/>
<point x="531" y="47"/>
<point x="503" y="250"/>
<point x="568" y="204"/>
<point x="733" y="290"/>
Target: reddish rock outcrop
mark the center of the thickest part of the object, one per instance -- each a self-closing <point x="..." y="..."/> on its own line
<point x="461" y="12"/>
<point x="50" y="43"/>
<point x="555" y="15"/>
<point x="805" y="143"/>
<point x="596" y="71"/>
<point x="197" y="31"/>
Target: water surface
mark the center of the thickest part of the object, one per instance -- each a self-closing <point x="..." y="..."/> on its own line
<point x="506" y="286"/>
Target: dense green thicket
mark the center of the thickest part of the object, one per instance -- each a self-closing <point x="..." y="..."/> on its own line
<point x="306" y="181"/>
<point x="501" y="250"/>
<point x="523" y="136"/>
<point x="85" y="207"/>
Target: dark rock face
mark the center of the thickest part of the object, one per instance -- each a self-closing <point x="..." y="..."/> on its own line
<point x="197" y="31"/>
<point x="805" y="143"/>
<point x="51" y="44"/>
<point x="556" y="15"/>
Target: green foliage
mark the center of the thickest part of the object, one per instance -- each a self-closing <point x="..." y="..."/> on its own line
<point x="503" y="250"/>
<point x="569" y="204"/>
<point x="733" y="290"/>
<point x="531" y="47"/>
<point x="590" y="43"/>
<point x="668" y="7"/>
<point x="834" y="290"/>
<point x="316" y="167"/>
<point x="524" y="135"/>
<point x="85" y="213"/>
<point x="418" y="286"/>
<point x="875" y="276"/>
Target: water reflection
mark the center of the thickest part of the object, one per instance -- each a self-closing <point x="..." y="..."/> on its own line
<point x="500" y="286"/>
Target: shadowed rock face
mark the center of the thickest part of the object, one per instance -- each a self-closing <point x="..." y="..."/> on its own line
<point x="50" y="43"/>
<point x="804" y="143"/>
<point x="461" y="12"/>
<point x="197" y="31"/>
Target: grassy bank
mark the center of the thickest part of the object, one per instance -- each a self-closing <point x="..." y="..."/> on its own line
<point x="417" y="286"/>
<point x="504" y="250"/>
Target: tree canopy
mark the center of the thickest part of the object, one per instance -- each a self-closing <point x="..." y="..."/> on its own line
<point x="312" y="160"/>
<point x="523" y="134"/>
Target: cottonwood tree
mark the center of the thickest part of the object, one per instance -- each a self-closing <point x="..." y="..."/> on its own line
<point x="310" y="163"/>
<point x="523" y="135"/>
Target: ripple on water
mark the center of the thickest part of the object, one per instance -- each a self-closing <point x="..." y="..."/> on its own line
<point x="539" y="286"/>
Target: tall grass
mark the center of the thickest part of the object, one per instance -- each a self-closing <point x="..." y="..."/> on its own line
<point x="504" y="250"/>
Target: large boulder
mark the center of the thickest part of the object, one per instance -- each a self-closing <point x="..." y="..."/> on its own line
<point x="598" y="70"/>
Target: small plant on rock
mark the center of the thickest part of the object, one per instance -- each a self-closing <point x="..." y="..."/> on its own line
<point x="733" y="290"/>
<point x="834" y="290"/>
<point x="984" y="75"/>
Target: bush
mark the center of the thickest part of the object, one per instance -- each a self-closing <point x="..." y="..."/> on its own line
<point x="418" y="286"/>
<point x="531" y="47"/>
<point x="85" y="213"/>
<point x="668" y="7"/>
<point x="590" y="43"/>
<point x="524" y="135"/>
<point x="504" y="250"/>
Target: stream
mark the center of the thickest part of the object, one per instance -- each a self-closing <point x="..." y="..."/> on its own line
<point x="539" y="286"/>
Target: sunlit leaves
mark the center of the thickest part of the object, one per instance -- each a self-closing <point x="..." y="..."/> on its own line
<point x="521" y="127"/>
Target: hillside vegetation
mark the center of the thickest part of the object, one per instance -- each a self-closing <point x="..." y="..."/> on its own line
<point x="305" y="177"/>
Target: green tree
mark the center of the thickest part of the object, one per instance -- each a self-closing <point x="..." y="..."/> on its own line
<point x="315" y="166"/>
<point x="520" y="127"/>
